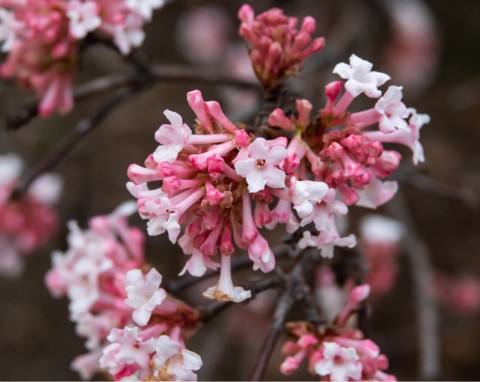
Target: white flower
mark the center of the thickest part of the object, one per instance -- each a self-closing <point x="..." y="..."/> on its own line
<point x="224" y="290"/>
<point x="8" y="29"/>
<point x="261" y="167"/>
<point x="381" y="229"/>
<point x="10" y="169"/>
<point x="129" y="34"/>
<point x="393" y="111"/>
<point x="360" y="78"/>
<point x="126" y="348"/>
<point x="306" y="194"/>
<point x="175" y="361"/>
<point x="143" y="294"/>
<point x="47" y="188"/>
<point x="339" y="363"/>
<point x="83" y="17"/>
<point x="145" y="7"/>
<point x="173" y="138"/>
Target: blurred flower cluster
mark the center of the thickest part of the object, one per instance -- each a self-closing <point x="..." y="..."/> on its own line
<point x="42" y="39"/>
<point x="28" y="222"/>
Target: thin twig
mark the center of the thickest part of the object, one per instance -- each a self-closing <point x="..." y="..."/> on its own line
<point x="284" y="305"/>
<point x="427" y="310"/>
<point x="211" y="310"/>
<point x="22" y="114"/>
<point x="437" y="187"/>
<point x="84" y="127"/>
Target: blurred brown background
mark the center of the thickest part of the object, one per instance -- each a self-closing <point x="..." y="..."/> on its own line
<point x="37" y="341"/>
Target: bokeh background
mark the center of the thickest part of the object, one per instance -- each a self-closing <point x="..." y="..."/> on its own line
<point x="431" y="47"/>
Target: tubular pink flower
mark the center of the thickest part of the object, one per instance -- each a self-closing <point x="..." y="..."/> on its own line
<point x="260" y="253"/>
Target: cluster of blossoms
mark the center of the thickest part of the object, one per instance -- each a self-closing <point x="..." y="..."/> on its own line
<point x="28" y="222"/>
<point x="42" y="37"/>
<point x="336" y="352"/>
<point x="133" y="328"/>
<point x="222" y="182"/>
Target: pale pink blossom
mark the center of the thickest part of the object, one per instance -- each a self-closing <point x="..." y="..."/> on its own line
<point x="127" y="349"/>
<point x="340" y="363"/>
<point x="8" y="29"/>
<point x="306" y="194"/>
<point x="84" y="17"/>
<point x="392" y="110"/>
<point x="173" y="138"/>
<point x="360" y="78"/>
<point x="143" y="294"/>
<point x="376" y="193"/>
<point x="145" y="7"/>
<point x="174" y="361"/>
<point x="261" y="168"/>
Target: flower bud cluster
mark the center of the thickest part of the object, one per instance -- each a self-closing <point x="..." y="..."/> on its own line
<point x="118" y="305"/>
<point x="28" y="222"/>
<point x="277" y="48"/>
<point x="41" y="38"/>
<point x="336" y="352"/>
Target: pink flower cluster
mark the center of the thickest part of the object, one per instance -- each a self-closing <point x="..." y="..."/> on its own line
<point x="42" y="40"/>
<point x="338" y="148"/>
<point x="336" y="352"/>
<point x="132" y="327"/>
<point x="210" y="183"/>
<point x="222" y="183"/>
<point x="277" y="48"/>
<point x="28" y="222"/>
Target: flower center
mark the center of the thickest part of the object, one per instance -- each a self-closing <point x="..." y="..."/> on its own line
<point x="260" y="162"/>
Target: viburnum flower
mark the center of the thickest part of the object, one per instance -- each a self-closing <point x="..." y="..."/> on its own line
<point x="340" y="363"/>
<point x="111" y="290"/>
<point x="261" y="167"/>
<point x="28" y="222"/>
<point x="84" y="17"/>
<point x="339" y="148"/>
<point x="219" y="184"/>
<point x="336" y="352"/>
<point x="360" y="78"/>
<point x="175" y="361"/>
<point x="143" y="294"/>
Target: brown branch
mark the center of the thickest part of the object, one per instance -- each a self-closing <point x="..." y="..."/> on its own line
<point x="427" y="310"/>
<point x="437" y="187"/>
<point x="292" y="293"/>
<point x="256" y="287"/>
<point x="22" y="114"/>
<point x="84" y="127"/>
